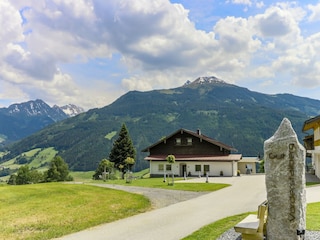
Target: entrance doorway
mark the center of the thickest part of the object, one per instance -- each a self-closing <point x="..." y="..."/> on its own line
<point x="183" y="169"/>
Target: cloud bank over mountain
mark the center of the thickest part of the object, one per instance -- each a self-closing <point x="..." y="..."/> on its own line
<point x="89" y="52"/>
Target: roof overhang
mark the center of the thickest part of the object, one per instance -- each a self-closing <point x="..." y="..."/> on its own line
<point x="200" y="158"/>
<point x="249" y="160"/>
<point x="311" y="123"/>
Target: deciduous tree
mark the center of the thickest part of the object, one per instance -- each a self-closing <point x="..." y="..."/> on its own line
<point x="129" y="163"/>
<point x="104" y="166"/>
<point x="25" y="176"/>
<point x="58" y="171"/>
<point x="13" y="179"/>
<point x="171" y="159"/>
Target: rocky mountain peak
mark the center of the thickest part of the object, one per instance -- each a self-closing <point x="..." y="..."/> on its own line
<point x="205" y="80"/>
<point x="71" y="110"/>
<point x="34" y="108"/>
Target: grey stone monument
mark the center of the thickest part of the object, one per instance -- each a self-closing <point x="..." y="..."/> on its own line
<point x="285" y="183"/>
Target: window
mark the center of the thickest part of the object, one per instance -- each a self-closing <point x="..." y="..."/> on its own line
<point x="198" y="168"/>
<point x="178" y="141"/>
<point x="160" y="168"/>
<point x="168" y="167"/>
<point x="206" y="168"/>
<point x="189" y="141"/>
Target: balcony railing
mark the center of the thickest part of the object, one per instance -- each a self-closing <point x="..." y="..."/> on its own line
<point x="309" y="142"/>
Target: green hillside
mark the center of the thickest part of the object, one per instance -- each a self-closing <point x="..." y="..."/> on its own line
<point x="36" y="158"/>
<point x="228" y="113"/>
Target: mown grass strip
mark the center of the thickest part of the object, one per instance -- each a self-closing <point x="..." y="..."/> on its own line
<point x="45" y="211"/>
<point x="216" y="229"/>
<point x="313" y="219"/>
<point x="158" y="183"/>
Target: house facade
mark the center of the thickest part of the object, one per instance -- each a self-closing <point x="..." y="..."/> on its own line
<point x="312" y="143"/>
<point x="195" y="155"/>
<point x="248" y="165"/>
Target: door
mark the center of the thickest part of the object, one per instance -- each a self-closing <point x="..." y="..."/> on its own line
<point x="183" y="169"/>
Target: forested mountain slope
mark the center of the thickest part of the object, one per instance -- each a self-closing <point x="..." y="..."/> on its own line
<point x="22" y="119"/>
<point x="225" y="112"/>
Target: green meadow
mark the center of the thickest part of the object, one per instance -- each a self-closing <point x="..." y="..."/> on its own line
<point x="45" y="211"/>
<point x="50" y="210"/>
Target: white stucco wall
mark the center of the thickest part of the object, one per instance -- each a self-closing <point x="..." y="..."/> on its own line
<point x="235" y="168"/>
<point x="316" y="134"/>
<point x="243" y="169"/>
<point x="316" y="162"/>
<point x="228" y="168"/>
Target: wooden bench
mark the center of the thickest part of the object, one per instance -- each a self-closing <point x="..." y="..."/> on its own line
<point x="253" y="226"/>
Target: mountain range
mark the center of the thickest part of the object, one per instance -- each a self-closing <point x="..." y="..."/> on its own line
<point x="228" y="113"/>
<point x="22" y="119"/>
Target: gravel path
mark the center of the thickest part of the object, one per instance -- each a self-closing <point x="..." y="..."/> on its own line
<point x="159" y="197"/>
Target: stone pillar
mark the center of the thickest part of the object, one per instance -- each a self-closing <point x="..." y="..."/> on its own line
<point x="285" y="183"/>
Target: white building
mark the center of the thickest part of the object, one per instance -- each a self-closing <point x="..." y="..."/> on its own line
<point x="312" y="143"/>
<point x="195" y="155"/>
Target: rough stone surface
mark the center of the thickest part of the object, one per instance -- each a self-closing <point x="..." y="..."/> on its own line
<point x="232" y="235"/>
<point x="285" y="183"/>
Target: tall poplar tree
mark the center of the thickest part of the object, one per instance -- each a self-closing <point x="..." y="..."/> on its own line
<point x="122" y="148"/>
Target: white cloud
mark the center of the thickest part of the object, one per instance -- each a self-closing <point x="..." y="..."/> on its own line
<point x="275" y="22"/>
<point x="315" y="12"/>
<point x="157" y="44"/>
<point x="235" y="35"/>
<point x="260" y="4"/>
<point x="10" y="23"/>
<point x="244" y="2"/>
<point x="262" y="72"/>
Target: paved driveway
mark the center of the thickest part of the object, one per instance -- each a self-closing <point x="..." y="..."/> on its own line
<point x="181" y="219"/>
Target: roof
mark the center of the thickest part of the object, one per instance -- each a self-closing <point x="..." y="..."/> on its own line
<point x="223" y="158"/>
<point x="249" y="160"/>
<point x="195" y="134"/>
<point x="311" y="123"/>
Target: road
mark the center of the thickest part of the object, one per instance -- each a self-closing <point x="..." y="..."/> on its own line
<point x="181" y="219"/>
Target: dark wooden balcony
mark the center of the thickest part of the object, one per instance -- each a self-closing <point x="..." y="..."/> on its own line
<point x="309" y="142"/>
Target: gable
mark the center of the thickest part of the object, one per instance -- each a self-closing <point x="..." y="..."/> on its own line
<point x="187" y="142"/>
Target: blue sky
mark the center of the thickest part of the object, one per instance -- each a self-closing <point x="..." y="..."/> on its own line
<point x="90" y="52"/>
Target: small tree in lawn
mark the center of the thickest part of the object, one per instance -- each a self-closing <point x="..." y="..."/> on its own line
<point x="13" y="179"/>
<point x="58" y="171"/>
<point x="23" y="175"/>
<point x="261" y="166"/>
<point x="104" y="166"/>
<point x="129" y="163"/>
<point x="171" y="159"/>
<point x="122" y="148"/>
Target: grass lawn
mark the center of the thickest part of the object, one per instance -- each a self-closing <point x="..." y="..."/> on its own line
<point x="313" y="219"/>
<point x="158" y="183"/>
<point x="82" y="176"/>
<point x="45" y="211"/>
<point x="143" y="180"/>
<point x="216" y="229"/>
<point x="312" y="183"/>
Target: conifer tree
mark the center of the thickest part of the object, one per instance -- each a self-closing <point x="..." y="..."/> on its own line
<point x="122" y="148"/>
